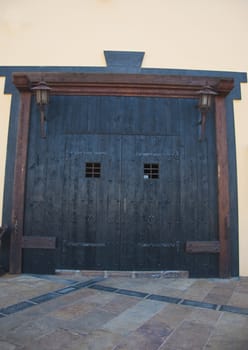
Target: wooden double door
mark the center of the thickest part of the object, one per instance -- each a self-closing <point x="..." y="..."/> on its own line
<point x="123" y="183"/>
<point x="124" y="214"/>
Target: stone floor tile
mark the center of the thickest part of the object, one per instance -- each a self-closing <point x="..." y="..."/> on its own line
<point x="195" y="293"/>
<point x="4" y="290"/>
<point x="170" y="292"/>
<point x="244" y="279"/>
<point x="8" y="301"/>
<point x="25" y="333"/>
<point x="204" y="316"/>
<point x="120" y="282"/>
<point x="155" y="327"/>
<point x="21" y="289"/>
<point x="137" y="284"/>
<point x="182" y="284"/>
<point x="98" y="297"/>
<point x="119" y="304"/>
<point x="73" y="311"/>
<point x="132" y="293"/>
<point x="61" y="279"/>
<point x="147" y="287"/>
<point x="79" y="296"/>
<point x="134" y="317"/>
<point x="147" y="337"/>
<point x="203" y="283"/>
<point x="199" y="304"/>
<point x="91" y="321"/>
<point x="60" y="339"/>
<point x="100" y="340"/>
<point x="11" y="322"/>
<point x="242" y="283"/>
<point x="190" y="335"/>
<point x="222" y="291"/>
<point x="225" y="283"/>
<point x="67" y="299"/>
<point x="216" y="298"/>
<point x="230" y="333"/>
<point x="241" y="288"/>
<point x="8" y="346"/>
<point x="173" y="315"/>
<point x="220" y="294"/>
<point x="239" y="299"/>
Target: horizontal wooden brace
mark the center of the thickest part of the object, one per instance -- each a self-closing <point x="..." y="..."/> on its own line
<point x="202" y="247"/>
<point x="38" y="242"/>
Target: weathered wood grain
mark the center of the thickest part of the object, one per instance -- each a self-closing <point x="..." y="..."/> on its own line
<point x="223" y="186"/>
<point x="19" y="184"/>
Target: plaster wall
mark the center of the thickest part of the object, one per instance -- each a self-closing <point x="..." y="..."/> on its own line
<point x="192" y="34"/>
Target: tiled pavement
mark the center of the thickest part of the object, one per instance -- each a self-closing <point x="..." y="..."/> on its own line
<point x="77" y="312"/>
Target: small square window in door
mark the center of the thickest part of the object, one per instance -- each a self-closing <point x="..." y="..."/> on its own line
<point x="92" y="169"/>
<point x="151" y="171"/>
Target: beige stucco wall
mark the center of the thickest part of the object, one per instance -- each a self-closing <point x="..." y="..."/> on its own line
<point x="192" y="34"/>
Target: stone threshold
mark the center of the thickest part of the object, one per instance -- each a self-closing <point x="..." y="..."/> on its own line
<point x="128" y="274"/>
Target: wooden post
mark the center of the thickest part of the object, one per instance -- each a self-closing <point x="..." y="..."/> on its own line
<point x="223" y="186"/>
<point x="19" y="184"/>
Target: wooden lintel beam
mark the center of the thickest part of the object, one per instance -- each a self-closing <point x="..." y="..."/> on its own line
<point x="122" y="84"/>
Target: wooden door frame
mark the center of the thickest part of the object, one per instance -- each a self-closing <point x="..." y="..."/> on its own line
<point x="110" y="84"/>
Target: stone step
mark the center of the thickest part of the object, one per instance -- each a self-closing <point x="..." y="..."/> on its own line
<point x="130" y="274"/>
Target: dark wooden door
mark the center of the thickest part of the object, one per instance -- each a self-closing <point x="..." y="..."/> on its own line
<point x="150" y="231"/>
<point x="123" y="183"/>
<point x="91" y="204"/>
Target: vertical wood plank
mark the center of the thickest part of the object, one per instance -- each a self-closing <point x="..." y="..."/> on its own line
<point x="19" y="184"/>
<point x="223" y="186"/>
